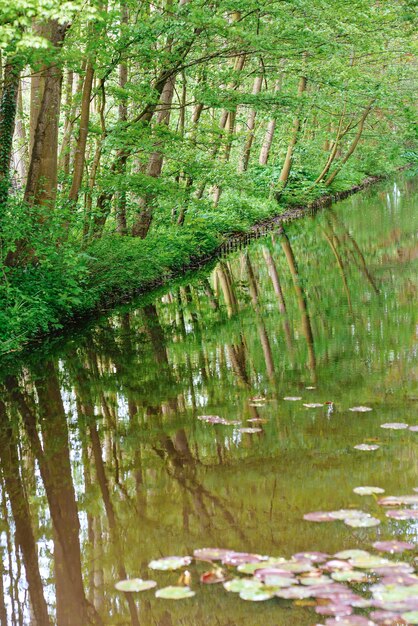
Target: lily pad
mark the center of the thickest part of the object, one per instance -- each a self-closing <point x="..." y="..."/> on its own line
<point x="362" y="521"/>
<point x="393" y="547"/>
<point x="259" y="420"/>
<point x="360" y="409"/>
<point x="211" y="554"/>
<point x="366" y="446"/>
<point x="413" y="429"/>
<point x="368" y="562"/>
<point x="343" y="514"/>
<point x="313" y="405"/>
<point x="351" y="620"/>
<point x="411" y="617"/>
<point x="237" y="558"/>
<point x="315" y="557"/>
<point x="236" y="585"/>
<point x="394" y="426"/>
<point x="292" y="398"/>
<point x="135" y="585"/>
<point x="350" y="576"/>
<point x="294" y="593"/>
<point x="250" y="431"/>
<point x="174" y="593"/>
<point x="403" y="514"/>
<point x="170" y="563"/>
<point x="398" y="500"/>
<point x="368" y="491"/>
<point x="352" y="554"/>
<point x="257" y="595"/>
<point x="319" y="516"/>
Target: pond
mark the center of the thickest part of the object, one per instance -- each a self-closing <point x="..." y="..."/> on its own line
<point x="107" y="465"/>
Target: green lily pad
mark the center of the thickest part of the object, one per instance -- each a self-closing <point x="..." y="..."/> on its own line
<point x="352" y="554"/>
<point x="174" y="593"/>
<point x="236" y="585"/>
<point x="368" y="562"/>
<point x="250" y="568"/>
<point x="135" y="584"/>
<point x="170" y="563"/>
<point x="367" y="491"/>
<point x="349" y="577"/>
<point x="411" y="617"/>
<point x="363" y="521"/>
<point x="256" y="595"/>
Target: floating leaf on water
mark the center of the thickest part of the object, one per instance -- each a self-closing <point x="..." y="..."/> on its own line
<point x="135" y="585"/>
<point x="413" y="429"/>
<point x="367" y="491"/>
<point x="236" y="585"/>
<point x="349" y="576"/>
<point x="394" y="425"/>
<point x="260" y="420"/>
<point x="170" y="563"/>
<point x="319" y="516"/>
<point x="352" y="554"/>
<point x="360" y="409"/>
<point x="212" y="419"/>
<point x="294" y="593"/>
<point x="351" y="620"/>
<point x="297" y="566"/>
<point x="335" y="565"/>
<point x="310" y="387"/>
<point x="238" y="558"/>
<point x="366" y="446"/>
<point x="403" y="514"/>
<point x="257" y="595"/>
<point x="315" y="557"/>
<point x="368" y="562"/>
<point x="411" y="617"/>
<point x="250" y="431"/>
<point x="211" y="554"/>
<point x="340" y="610"/>
<point x="272" y="571"/>
<point x="292" y="398"/>
<point x="363" y="521"/>
<point x="313" y="405"/>
<point x="250" y="568"/>
<point x="312" y="581"/>
<point x="398" y="500"/>
<point x="274" y="580"/>
<point x="394" y="547"/>
<point x="174" y="593"/>
<point x="343" y="514"/>
<point x="387" y="618"/>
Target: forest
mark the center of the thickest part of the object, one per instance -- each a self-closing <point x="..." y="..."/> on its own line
<point x="136" y="136"/>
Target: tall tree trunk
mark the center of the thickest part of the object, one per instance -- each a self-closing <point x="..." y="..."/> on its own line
<point x="21" y="140"/>
<point x="287" y="165"/>
<point x="41" y="186"/>
<point x="121" y="225"/>
<point x="143" y="221"/>
<point x="269" y="134"/>
<point x="8" y="107"/>
<point x="258" y="81"/>
<point x="80" y="151"/>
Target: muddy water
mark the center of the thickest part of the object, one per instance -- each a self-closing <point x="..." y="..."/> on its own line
<point x="105" y="464"/>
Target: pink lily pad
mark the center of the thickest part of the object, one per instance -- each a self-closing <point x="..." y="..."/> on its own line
<point x="394" y="426"/>
<point x="403" y="514"/>
<point x="292" y="398"/>
<point x="211" y="554"/>
<point x="340" y="610"/>
<point x="413" y="429"/>
<point x="393" y="547"/>
<point x="237" y="558"/>
<point x="315" y="557"/>
<point x="319" y="516"/>
<point x="351" y="620"/>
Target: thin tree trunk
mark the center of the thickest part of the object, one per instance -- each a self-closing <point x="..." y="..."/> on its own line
<point x="8" y="107"/>
<point x="143" y="221"/>
<point x="287" y="165"/>
<point x="121" y="225"/>
<point x="353" y="145"/>
<point x="258" y="81"/>
<point x="269" y="135"/>
<point x="80" y="150"/>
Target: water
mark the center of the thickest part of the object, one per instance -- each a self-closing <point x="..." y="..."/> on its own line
<point x="104" y="428"/>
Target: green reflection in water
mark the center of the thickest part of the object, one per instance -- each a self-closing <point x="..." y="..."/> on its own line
<point x="105" y="465"/>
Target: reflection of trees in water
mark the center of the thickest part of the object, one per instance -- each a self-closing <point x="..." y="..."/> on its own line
<point x="133" y="380"/>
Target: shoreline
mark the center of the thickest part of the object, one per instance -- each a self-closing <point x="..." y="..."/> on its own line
<point x="113" y="297"/>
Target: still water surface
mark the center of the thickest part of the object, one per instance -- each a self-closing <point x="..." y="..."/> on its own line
<point x="105" y="464"/>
